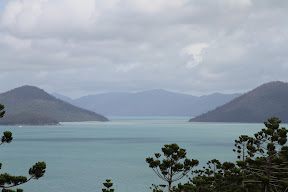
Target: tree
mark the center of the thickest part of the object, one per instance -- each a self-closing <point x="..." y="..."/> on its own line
<point x="245" y="142"/>
<point x="215" y="177"/>
<point x="108" y="185"/>
<point x="8" y="181"/>
<point x="266" y="160"/>
<point x="173" y="166"/>
<point x="6" y="138"/>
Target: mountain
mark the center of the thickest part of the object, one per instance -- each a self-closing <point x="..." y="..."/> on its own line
<point x="156" y="102"/>
<point x="62" y="97"/>
<point x="27" y="118"/>
<point x="29" y="102"/>
<point x="258" y="105"/>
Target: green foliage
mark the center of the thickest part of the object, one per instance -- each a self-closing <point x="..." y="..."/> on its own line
<point x="186" y="187"/>
<point x="37" y="170"/>
<point x="2" y="112"/>
<point x="265" y="166"/>
<point x="10" y="190"/>
<point x="108" y="185"/>
<point x="244" y="142"/>
<point x="215" y="177"/>
<point x="173" y="166"/>
<point x="158" y="188"/>
<point x="28" y="118"/>
<point x="8" y="181"/>
<point x="6" y="138"/>
<point x="11" y="180"/>
<point x="252" y="107"/>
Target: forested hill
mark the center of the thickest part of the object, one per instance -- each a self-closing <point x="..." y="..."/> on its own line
<point x="263" y="102"/>
<point x="29" y="102"/>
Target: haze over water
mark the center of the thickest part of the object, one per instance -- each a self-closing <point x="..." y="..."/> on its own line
<point x="80" y="156"/>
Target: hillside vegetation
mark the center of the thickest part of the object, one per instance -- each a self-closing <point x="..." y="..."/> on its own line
<point x="31" y="105"/>
<point x="265" y="101"/>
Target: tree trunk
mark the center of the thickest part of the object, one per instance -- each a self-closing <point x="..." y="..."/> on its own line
<point x="269" y="170"/>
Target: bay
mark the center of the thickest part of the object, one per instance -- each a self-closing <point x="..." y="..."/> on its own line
<point x="80" y="156"/>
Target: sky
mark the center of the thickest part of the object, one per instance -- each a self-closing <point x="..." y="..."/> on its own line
<point x="198" y="47"/>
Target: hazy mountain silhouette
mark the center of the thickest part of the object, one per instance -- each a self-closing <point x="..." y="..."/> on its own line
<point x="150" y="103"/>
<point x="62" y="97"/>
<point x="29" y="102"/>
<point x="263" y="102"/>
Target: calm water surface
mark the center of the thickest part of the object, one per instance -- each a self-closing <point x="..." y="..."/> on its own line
<point x="80" y="156"/>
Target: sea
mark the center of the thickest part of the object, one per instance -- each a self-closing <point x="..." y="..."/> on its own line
<point x="80" y="156"/>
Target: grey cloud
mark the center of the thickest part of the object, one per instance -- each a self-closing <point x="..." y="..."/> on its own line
<point x="118" y="45"/>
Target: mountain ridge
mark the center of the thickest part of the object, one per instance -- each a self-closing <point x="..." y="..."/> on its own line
<point x="255" y="106"/>
<point x="156" y="102"/>
<point x="36" y="102"/>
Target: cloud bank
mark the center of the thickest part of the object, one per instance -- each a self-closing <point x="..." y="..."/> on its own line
<point x="189" y="46"/>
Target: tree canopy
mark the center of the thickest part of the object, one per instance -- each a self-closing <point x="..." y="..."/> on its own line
<point x="174" y="164"/>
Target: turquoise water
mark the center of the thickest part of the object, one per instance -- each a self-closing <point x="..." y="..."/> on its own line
<point x="80" y="156"/>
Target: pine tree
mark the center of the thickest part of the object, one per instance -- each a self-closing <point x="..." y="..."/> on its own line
<point x="215" y="177"/>
<point x="108" y="185"/>
<point x="266" y="162"/>
<point x="173" y="166"/>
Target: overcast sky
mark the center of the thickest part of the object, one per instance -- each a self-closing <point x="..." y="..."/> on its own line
<point x="81" y="47"/>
